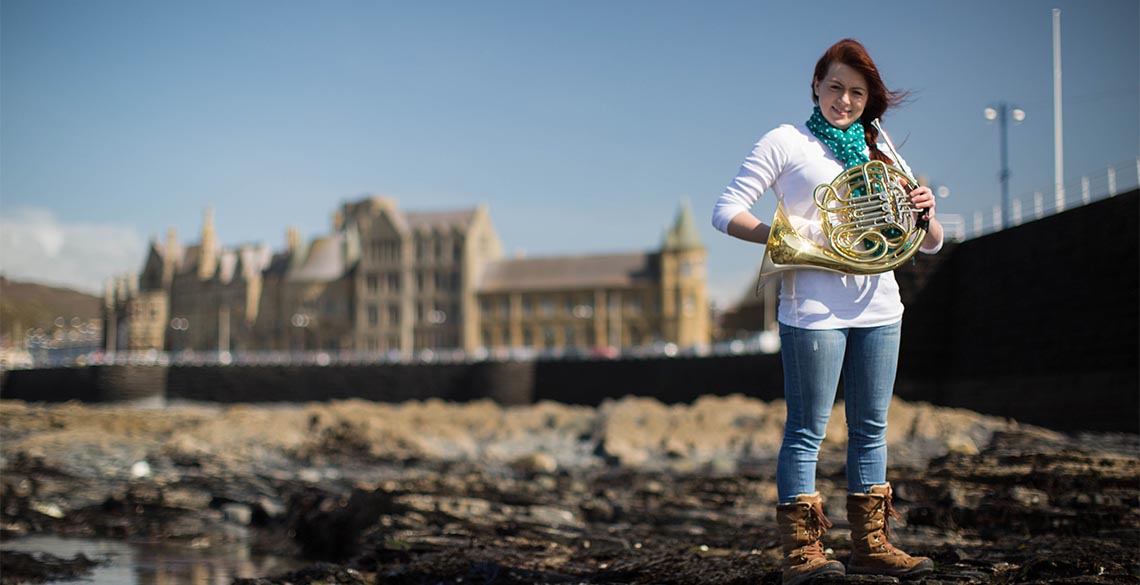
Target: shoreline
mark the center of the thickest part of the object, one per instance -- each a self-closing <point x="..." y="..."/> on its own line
<point x="630" y="491"/>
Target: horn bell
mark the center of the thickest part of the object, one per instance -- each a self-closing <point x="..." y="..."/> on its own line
<point x="788" y="250"/>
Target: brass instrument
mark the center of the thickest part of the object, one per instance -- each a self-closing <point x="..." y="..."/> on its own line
<point x="868" y="221"/>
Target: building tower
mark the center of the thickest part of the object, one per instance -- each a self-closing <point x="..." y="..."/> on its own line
<point x="208" y="253"/>
<point x="684" y="300"/>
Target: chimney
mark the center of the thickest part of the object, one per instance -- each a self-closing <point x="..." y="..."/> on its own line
<point x="169" y="257"/>
<point x="121" y="288"/>
<point x="292" y="239"/>
<point x="207" y="253"/>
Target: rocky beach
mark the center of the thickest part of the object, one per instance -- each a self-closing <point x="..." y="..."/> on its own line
<point x="632" y="491"/>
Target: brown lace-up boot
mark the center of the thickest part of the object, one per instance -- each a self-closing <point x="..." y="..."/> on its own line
<point x="871" y="551"/>
<point x="801" y="526"/>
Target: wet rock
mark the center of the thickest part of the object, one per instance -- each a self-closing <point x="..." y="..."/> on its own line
<point x="47" y="509"/>
<point x="13" y="529"/>
<point x="267" y="510"/>
<point x="535" y="463"/>
<point x="634" y="491"/>
<point x="238" y="513"/>
<point x="319" y="574"/>
<point x="140" y="470"/>
<point x="1029" y="483"/>
<point x="329" y="526"/>
<point x="1074" y="563"/>
<point x="21" y="567"/>
<point x="552" y="516"/>
<point x="186" y="498"/>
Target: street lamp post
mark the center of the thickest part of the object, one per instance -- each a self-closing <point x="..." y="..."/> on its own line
<point x="180" y="325"/>
<point x="1002" y="113"/>
<point x="300" y="322"/>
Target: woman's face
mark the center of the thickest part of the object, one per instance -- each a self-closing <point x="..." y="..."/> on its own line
<point x="842" y="94"/>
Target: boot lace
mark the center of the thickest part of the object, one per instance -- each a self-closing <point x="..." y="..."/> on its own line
<point x="817" y="520"/>
<point x="888" y="512"/>
<point x="816" y="525"/>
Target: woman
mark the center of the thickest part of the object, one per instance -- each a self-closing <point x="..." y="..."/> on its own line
<point x="831" y="323"/>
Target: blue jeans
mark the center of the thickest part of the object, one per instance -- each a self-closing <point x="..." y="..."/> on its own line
<point x="813" y="359"/>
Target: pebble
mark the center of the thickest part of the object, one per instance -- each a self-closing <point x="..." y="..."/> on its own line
<point x="140" y="470"/>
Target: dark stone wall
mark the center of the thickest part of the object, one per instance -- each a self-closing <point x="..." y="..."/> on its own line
<point x="1040" y="323"/>
<point x="507" y="383"/>
<point x="667" y="379"/>
<point x="93" y="384"/>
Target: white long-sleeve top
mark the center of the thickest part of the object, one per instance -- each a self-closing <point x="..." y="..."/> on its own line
<point x="792" y="161"/>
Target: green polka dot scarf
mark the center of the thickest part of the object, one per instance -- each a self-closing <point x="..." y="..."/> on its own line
<point x="847" y="145"/>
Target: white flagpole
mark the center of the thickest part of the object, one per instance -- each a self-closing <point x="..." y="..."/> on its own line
<point x="1058" y="149"/>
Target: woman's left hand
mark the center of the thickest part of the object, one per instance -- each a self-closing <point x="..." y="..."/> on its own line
<point x="923" y="198"/>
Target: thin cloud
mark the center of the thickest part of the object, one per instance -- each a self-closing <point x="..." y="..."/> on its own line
<point x="36" y="246"/>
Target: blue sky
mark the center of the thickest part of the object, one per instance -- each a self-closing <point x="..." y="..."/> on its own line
<point x="582" y="125"/>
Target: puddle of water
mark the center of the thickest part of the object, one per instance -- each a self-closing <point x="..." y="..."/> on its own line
<point x="128" y="563"/>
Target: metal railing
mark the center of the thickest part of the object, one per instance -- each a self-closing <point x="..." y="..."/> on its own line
<point x="764" y="343"/>
<point x="1094" y="186"/>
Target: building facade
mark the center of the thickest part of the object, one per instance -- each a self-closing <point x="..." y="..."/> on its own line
<point x="609" y="300"/>
<point x="391" y="281"/>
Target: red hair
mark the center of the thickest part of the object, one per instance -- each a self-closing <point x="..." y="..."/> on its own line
<point x="851" y="53"/>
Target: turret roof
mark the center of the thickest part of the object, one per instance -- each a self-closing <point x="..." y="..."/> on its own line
<point x="683" y="235"/>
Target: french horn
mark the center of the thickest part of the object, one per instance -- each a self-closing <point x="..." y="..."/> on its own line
<point x="867" y="219"/>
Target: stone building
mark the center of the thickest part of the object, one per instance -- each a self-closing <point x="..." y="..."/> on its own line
<point x="615" y="300"/>
<point x="753" y="313"/>
<point x="390" y="281"/>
